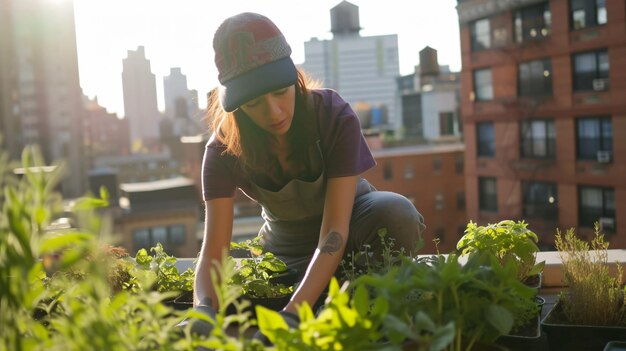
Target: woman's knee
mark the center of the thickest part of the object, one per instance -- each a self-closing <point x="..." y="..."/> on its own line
<point x="398" y="216"/>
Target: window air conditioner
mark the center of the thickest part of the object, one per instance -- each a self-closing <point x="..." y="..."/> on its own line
<point x="604" y="156"/>
<point x="600" y="84"/>
<point x="606" y="224"/>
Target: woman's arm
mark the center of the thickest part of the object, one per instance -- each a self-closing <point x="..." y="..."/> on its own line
<point x="333" y="238"/>
<point x="218" y="229"/>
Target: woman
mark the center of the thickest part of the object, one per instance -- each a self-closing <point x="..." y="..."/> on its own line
<point x="299" y="152"/>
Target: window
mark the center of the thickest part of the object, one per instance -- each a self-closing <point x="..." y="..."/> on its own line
<point x="460" y="200"/>
<point x="595" y="203"/>
<point x="439" y="202"/>
<point x="535" y="78"/>
<point x="409" y="171"/>
<point x="540" y="200"/>
<point x="459" y="164"/>
<point x="141" y="238"/>
<point x="168" y="236"/>
<point x="487" y="194"/>
<point x="594" y="137"/>
<point x="538" y="139"/>
<point x="437" y="164"/>
<point x="533" y="22"/>
<point x="485" y="139"/>
<point x="591" y="70"/>
<point x="587" y="13"/>
<point x="446" y="123"/>
<point x="481" y="34"/>
<point x="387" y="170"/>
<point x="177" y="234"/>
<point x="482" y="84"/>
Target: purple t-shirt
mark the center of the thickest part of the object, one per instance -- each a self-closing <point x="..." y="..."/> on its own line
<point x="343" y="147"/>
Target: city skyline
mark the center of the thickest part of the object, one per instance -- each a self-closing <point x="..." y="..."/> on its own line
<point x="170" y="31"/>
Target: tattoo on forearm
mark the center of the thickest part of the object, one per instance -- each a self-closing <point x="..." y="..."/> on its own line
<point x="332" y="244"/>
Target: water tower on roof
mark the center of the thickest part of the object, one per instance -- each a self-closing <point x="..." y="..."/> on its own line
<point x="344" y="19"/>
<point x="429" y="64"/>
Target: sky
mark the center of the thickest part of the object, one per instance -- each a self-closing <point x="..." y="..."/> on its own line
<point x="179" y="33"/>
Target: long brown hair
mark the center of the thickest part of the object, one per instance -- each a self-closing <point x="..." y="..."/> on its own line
<point x="243" y="139"/>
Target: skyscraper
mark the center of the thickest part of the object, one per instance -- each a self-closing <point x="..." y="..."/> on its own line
<point x="174" y="88"/>
<point x="140" y="98"/>
<point x="362" y="69"/>
<point x="40" y="94"/>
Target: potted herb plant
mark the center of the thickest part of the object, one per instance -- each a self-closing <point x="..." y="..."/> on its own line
<point x="592" y="311"/>
<point x="508" y="240"/>
<point x="511" y="242"/>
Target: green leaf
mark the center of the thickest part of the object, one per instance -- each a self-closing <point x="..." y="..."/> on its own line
<point x="89" y="203"/>
<point x="399" y="326"/>
<point x="500" y="318"/>
<point x="104" y="193"/>
<point x="360" y="300"/>
<point x="538" y="268"/>
<point x="269" y="322"/>
<point x="443" y="337"/>
<point x="55" y="242"/>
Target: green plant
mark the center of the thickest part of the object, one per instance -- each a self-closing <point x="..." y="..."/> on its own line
<point x="255" y="273"/>
<point x="55" y="288"/>
<point x="594" y="296"/>
<point x="168" y="278"/>
<point x="345" y="323"/>
<point x="508" y="241"/>
<point x="366" y="261"/>
<point x="479" y="300"/>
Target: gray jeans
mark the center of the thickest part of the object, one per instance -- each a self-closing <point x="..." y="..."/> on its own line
<point x="296" y="242"/>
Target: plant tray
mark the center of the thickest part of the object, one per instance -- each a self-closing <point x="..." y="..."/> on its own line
<point x="563" y="336"/>
<point x="524" y="339"/>
<point x="185" y="301"/>
<point x="615" y="346"/>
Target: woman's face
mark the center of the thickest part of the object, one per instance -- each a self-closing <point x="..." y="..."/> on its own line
<point x="273" y="112"/>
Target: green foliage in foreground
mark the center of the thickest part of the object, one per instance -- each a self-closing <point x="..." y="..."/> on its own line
<point x="55" y="288"/>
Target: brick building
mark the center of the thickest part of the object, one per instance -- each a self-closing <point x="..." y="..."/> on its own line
<point x="544" y="111"/>
<point x="431" y="176"/>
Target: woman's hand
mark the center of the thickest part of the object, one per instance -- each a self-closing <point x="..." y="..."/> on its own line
<point x="198" y="326"/>
<point x="334" y="231"/>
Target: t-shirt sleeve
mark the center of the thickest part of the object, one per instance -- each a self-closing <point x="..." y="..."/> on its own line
<point x="345" y="150"/>
<point x="217" y="177"/>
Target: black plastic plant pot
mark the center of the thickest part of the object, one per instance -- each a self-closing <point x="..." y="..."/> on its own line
<point x="289" y="277"/>
<point x="528" y="336"/>
<point x="615" y="346"/>
<point x="564" y="336"/>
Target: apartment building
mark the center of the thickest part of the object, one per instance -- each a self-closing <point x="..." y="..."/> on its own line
<point x="544" y="111"/>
